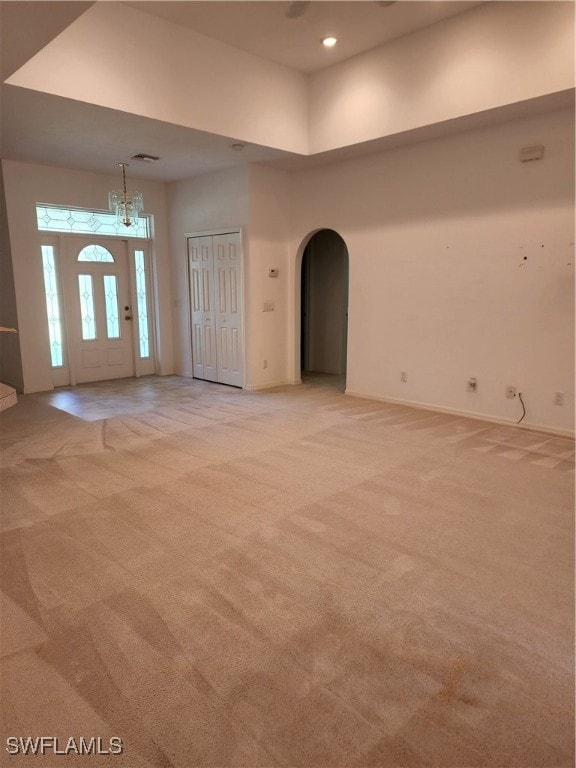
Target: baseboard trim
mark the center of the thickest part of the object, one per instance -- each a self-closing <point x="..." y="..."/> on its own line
<point x="273" y="385"/>
<point x="465" y="414"/>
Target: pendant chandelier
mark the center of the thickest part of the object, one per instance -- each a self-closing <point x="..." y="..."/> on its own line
<point x="126" y="205"/>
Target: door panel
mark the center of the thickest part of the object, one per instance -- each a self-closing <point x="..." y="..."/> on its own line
<point x="201" y="302"/>
<point x="229" y="321"/>
<point x="196" y="308"/>
<point x="98" y="305"/>
<point x="222" y="293"/>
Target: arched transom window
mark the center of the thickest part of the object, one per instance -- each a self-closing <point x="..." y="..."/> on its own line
<point x="95" y="253"/>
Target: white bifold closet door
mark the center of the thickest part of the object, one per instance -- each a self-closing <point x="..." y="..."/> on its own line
<point x="215" y="269"/>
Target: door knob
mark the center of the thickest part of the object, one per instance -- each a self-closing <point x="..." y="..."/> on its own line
<point x="127" y="317"/>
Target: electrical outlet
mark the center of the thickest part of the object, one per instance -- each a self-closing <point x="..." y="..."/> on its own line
<point x="558" y="398"/>
<point x="264" y="363"/>
<point x="403" y="376"/>
<point x="472" y="385"/>
<point x="510" y="391"/>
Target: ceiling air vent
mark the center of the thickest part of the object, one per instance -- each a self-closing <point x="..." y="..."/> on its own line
<point x="145" y="158"/>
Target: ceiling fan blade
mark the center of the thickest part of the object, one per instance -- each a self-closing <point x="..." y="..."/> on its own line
<point x="297" y="8"/>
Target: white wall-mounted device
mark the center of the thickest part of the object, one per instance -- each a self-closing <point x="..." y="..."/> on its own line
<point x="527" y="154"/>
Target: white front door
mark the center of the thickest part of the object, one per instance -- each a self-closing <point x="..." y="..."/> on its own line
<point x="98" y="309"/>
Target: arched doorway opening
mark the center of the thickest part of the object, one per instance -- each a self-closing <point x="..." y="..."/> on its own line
<point x="324" y="306"/>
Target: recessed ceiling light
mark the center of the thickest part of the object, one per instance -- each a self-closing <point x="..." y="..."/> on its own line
<point x="237" y="147"/>
<point x="329" y="42"/>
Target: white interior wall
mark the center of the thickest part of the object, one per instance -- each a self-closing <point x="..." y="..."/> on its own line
<point x="255" y="199"/>
<point x="269" y="242"/>
<point x="27" y="184"/>
<point x="495" y="54"/>
<point x="461" y="264"/>
<point x="10" y="360"/>
<point x="215" y="201"/>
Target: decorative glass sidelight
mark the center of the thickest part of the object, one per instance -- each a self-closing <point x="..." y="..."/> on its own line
<point x="142" y="303"/>
<point x="112" y="309"/>
<point x="86" y="293"/>
<point x="52" y="306"/>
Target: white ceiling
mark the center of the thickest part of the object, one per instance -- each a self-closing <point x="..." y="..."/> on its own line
<point x="263" y="28"/>
<point x="26" y="27"/>
<point x="41" y="128"/>
<point x="46" y="129"/>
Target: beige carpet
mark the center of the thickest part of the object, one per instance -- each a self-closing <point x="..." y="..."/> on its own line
<point x="293" y="578"/>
